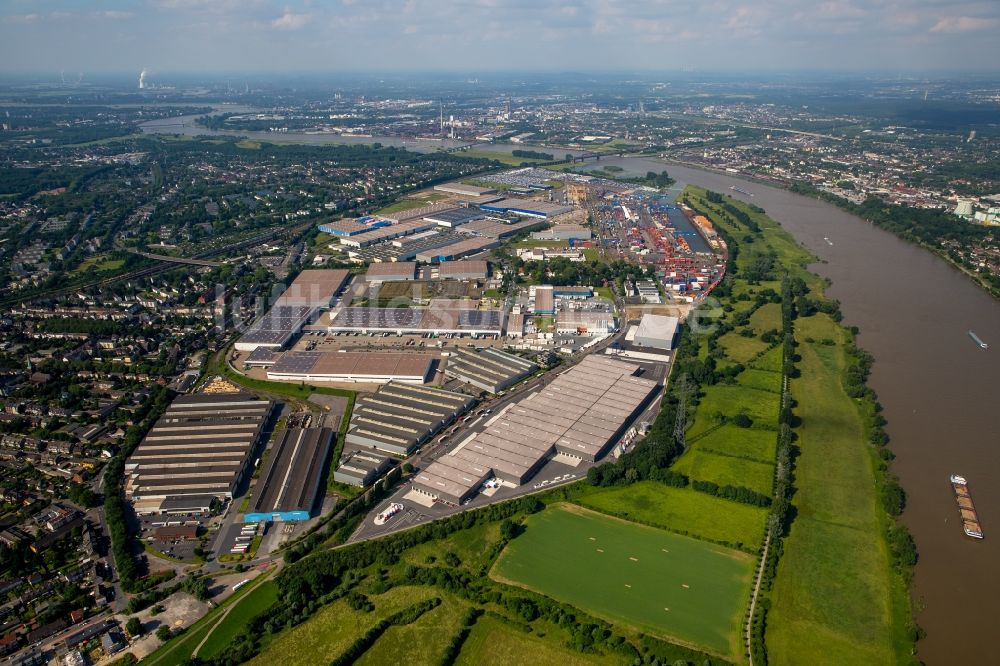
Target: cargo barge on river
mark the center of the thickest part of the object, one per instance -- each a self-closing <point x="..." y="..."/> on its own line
<point x="970" y="519"/>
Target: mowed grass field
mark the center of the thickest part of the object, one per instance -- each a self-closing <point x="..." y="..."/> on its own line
<point x="725" y="400"/>
<point x="646" y="578"/>
<point x="681" y="510"/>
<point x="494" y="642"/>
<point x="833" y="598"/>
<point x="329" y="632"/>
<point x="751" y="443"/>
<point x="726" y="470"/>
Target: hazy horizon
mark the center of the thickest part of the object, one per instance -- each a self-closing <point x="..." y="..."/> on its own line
<point x="303" y="36"/>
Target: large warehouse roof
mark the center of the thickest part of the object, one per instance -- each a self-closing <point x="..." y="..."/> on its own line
<point x="315" y="287"/>
<point x="387" y="271"/>
<point x="376" y="367"/>
<point x="399" y="417"/>
<point x="580" y="413"/>
<point x="276" y="327"/>
<point x="496" y="229"/>
<point x="490" y="369"/>
<point x="528" y="207"/>
<point x="656" y="331"/>
<point x="451" y="319"/>
<point x="470" y="268"/>
<point x="291" y="477"/>
<point x="455" y="216"/>
<point x="200" y="446"/>
<point x="456" y="249"/>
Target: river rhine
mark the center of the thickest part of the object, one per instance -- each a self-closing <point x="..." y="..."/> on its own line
<point x="938" y="389"/>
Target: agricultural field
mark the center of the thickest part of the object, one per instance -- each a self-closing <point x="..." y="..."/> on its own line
<point x="681" y="510"/>
<point x="330" y="631"/>
<point x="643" y="577"/>
<point x="833" y="600"/>
<point x="495" y="642"/>
<point x="726" y="401"/>
<point x="726" y="470"/>
<point x="730" y="440"/>
<point x="422" y="642"/>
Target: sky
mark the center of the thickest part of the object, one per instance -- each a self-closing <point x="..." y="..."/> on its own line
<point x="498" y="35"/>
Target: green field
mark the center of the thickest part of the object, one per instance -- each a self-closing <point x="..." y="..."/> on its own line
<point x="236" y="619"/>
<point x="769" y="361"/>
<point x="494" y="642"/>
<point x="766" y="318"/>
<point x="752" y="443"/>
<point x="331" y="630"/>
<point x="763" y="380"/>
<point x="422" y="642"/>
<point x="721" y="400"/>
<point x="726" y="470"/>
<point x="681" y="510"/>
<point x="741" y="349"/>
<point x="833" y="600"/>
<point x="411" y="202"/>
<point x="646" y="578"/>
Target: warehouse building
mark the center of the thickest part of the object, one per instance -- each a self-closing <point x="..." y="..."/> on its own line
<point x="493" y="228"/>
<point x="315" y="287"/>
<point x="585" y="322"/>
<point x="346" y="228"/>
<point x="545" y="300"/>
<point x="418" y="213"/>
<point x="528" y="207"/>
<point x="290" y="482"/>
<point x="388" y="233"/>
<point x="439" y="318"/>
<point x="399" y="417"/>
<point x="463" y="189"/>
<point x="656" y="331"/>
<point x="464" y="270"/>
<point x="457" y="249"/>
<point x="574" y="292"/>
<point x="364" y="367"/>
<point x="361" y="468"/>
<point x="489" y="369"/>
<point x="580" y="414"/>
<point x="564" y="232"/>
<point x="311" y="290"/>
<point x="276" y="328"/>
<point x="455" y="217"/>
<point x="392" y="271"/>
<point x="196" y="453"/>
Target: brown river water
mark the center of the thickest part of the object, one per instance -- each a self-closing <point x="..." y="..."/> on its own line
<point x="940" y="395"/>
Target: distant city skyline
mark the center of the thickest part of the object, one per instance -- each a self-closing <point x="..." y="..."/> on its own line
<point x="491" y="35"/>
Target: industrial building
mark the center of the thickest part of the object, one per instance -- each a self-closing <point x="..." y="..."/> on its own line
<point x="545" y="300"/>
<point x="399" y="417"/>
<point x="440" y="318"/>
<point x="656" y="331"/>
<point x="528" y="207"/>
<point x="578" y="415"/>
<point x="364" y="367"/>
<point x="361" y="468"/>
<point x="489" y="369"/>
<point x="290" y="482"/>
<point x="346" y="228"/>
<point x="464" y="270"/>
<point x="455" y="217"/>
<point x="492" y="228"/>
<point x="276" y="328"/>
<point x="564" y="232"/>
<point x="311" y="290"/>
<point x="457" y="250"/>
<point x="585" y="322"/>
<point x="392" y="271"/>
<point x="463" y="189"/>
<point x="196" y="453"/>
<point x="418" y="213"/>
<point x="387" y="233"/>
<point x="315" y="288"/>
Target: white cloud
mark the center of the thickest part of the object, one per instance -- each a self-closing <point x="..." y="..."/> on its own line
<point x="116" y="15"/>
<point x="950" y="24"/>
<point x="290" y="21"/>
<point x="22" y="18"/>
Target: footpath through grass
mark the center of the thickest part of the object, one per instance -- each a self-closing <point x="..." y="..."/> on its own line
<point x="646" y="578"/>
<point x="833" y="599"/>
